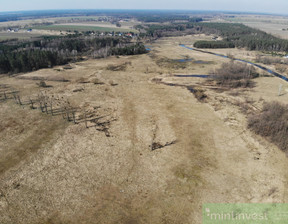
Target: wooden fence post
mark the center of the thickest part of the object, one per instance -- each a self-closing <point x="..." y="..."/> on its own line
<point x="85" y="116"/>
<point x="32" y="103"/>
<point x="45" y="105"/>
<point x="41" y="106"/>
<point x="51" y="108"/>
<point x="19" y="100"/>
<point x="68" y="118"/>
<point x="73" y="114"/>
<point x="15" y="98"/>
<point x="63" y="113"/>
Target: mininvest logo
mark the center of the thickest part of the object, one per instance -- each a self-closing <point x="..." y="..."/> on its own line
<point x="245" y="213"/>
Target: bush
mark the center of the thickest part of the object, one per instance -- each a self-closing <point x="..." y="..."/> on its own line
<point x="82" y="80"/>
<point x="198" y="93"/>
<point x="119" y="67"/>
<point x="281" y="68"/>
<point x="97" y="81"/>
<point x="42" y="84"/>
<point x="267" y="60"/>
<point x="272" y="122"/>
<point x="235" y="74"/>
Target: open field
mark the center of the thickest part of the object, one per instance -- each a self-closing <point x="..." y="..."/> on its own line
<point x="54" y="171"/>
<point x="83" y="28"/>
<point x="124" y="25"/>
<point x="27" y="22"/>
<point x="273" y="28"/>
<point x="270" y="24"/>
<point x="23" y="35"/>
<point x="20" y="36"/>
<point x="79" y="23"/>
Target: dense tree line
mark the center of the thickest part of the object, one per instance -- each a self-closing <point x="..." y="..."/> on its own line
<point x="25" y="61"/>
<point x="162" y="30"/>
<point x="214" y="44"/>
<point x="168" y="18"/>
<point x="243" y="36"/>
<point x="129" y="50"/>
<point x="50" y="51"/>
<point x="195" y="19"/>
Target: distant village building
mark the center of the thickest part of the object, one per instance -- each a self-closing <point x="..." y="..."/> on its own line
<point x="10" y="30"/>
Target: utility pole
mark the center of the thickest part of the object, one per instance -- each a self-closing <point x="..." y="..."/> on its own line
<point x="280" y="89"/>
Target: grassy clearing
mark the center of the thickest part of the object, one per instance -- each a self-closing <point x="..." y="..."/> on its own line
<point x="83" y="28"/>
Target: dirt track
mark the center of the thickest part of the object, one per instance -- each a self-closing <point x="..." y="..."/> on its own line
<point x="80" y="175"/>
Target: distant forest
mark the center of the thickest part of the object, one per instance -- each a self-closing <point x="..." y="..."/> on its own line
<point x="142" y="15"/>
<point x="167" y="18"/>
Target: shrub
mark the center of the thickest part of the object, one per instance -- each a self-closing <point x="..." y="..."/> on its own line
<point x="112" y="83"/>
<point x="198" y="93"/>
<point x="121" y="67"/>
<point x="235" y="74"/>
<point x="268" y="60"/>
<point x="42" y="84"/>
<point x="97" y="81"/>
<point x="272" y="122"/>
<point x="82" y="80"/>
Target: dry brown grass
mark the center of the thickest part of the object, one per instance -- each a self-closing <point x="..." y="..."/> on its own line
<point x="33" y="130"/>
<point x="81" y="176"/>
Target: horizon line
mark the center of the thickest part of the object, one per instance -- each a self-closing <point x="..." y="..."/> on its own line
<point x="170" y="10"/>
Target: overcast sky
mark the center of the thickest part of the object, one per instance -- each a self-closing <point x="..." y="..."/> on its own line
<point x="269" y="6"/>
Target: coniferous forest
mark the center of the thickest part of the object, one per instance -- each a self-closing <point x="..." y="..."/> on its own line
<point x="50" y="51"/>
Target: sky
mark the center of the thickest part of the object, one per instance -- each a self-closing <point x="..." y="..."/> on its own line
<point x="264" y="6"/>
